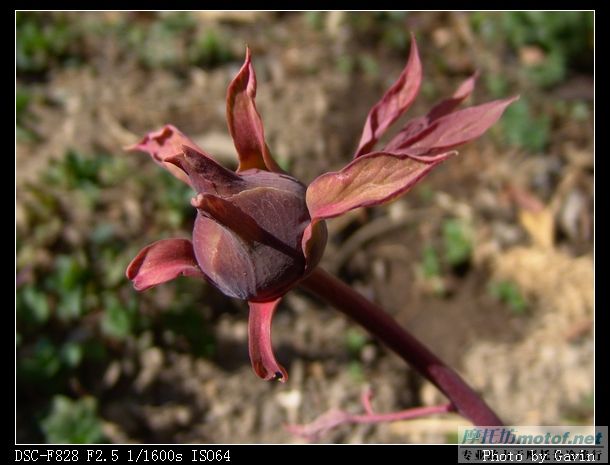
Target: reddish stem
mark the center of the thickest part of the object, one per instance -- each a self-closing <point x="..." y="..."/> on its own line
<point x="334" y="418"/>
<point x="366" y="397"/>
<point x="372" y="317"/>
<point x="408" y="414"/>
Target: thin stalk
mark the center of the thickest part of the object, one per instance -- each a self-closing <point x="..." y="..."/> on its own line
<point x="375" y="320"/>
<point x="408" y="414"/>
<point x="335" y="418"/>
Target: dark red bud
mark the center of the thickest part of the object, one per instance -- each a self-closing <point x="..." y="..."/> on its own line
<point x="248" y="243"/>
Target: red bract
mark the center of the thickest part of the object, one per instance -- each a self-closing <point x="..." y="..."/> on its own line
<point x="258" y="231"/>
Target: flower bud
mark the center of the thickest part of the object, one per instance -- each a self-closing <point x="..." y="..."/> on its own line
<point x="247" y="240"/>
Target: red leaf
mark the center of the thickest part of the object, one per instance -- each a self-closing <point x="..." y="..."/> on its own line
<point x="462" y="93"/>
<point x="372" y="179"/>
<point x="417" y="125"/>
<point x="162" y="261"/>
<point x="163" y="144"/>
<point x="259" y="341"/>
<point x="245" y="123"/>
<point x="393" y="104"/>
<point x="458" y="128"/>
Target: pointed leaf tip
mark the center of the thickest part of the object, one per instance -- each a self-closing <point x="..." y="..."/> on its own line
<point x="460" y="127"/>
<point x="244" y="121"/>
<point x="417" y="128"/>
<point x="394" y="103"/>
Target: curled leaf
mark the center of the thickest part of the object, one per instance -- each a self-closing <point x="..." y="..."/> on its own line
<point x="162" y="261"/>
<point x="163" y="144"/>
<point x="259" y="341"/>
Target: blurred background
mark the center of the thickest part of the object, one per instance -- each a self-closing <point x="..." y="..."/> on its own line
<point x="489" y="260"/>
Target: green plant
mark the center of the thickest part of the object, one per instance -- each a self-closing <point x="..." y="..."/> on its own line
<point x="431" y="270"/>
<point x="509" y="293"/>
<point x="175" y="41"/>
<point x="22" y="100"/>
<point x="40" y="363"/>
<point x="381" y="28"/>
<point x="73" y="422"/>
<point x="43" y="39"/>
<point x="210" y="49"/>
<point x="71" y="309"/>
<point x="185" y="320"/>
<point x="522" y="128"/>
<point x="314" y="19"/>
<point x="457" y="242"/>
<point x="565" y="40"/>
<point x="430" y="262"/>
<point x="119" y="320"/>
<point x="24" y="118"/>
<point x="33" y="306"/>
<point x="355" y="341"/>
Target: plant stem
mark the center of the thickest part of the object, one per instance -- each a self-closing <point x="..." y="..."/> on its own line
<point x="375" y="320"/>
<point x="402" y="415"/>
<point x="334" y="418"/>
